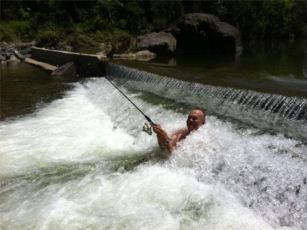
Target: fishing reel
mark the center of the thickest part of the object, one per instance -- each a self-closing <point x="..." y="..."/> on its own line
<point x="147" y="128"/>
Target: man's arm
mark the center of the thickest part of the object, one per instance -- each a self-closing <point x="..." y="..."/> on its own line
<point x="165" y="142"/>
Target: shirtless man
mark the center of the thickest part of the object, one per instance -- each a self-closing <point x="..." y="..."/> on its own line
<point x="195" y="119"/>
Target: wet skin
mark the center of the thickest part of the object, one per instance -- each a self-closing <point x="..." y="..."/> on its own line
<point x="195" y="119"/>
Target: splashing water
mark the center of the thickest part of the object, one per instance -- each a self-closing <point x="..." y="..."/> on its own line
<point x="266" y="111"/>
<point x="82" y="162"/>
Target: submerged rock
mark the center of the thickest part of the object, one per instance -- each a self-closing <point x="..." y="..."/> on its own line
<point x="68" y="69"/>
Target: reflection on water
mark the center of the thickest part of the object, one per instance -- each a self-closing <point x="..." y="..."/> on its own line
<point x="275" y="67"/>
<point x="24" y="87"/>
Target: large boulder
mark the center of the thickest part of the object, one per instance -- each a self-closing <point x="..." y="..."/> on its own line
<point x="205" y="33"/>
<point x="160" y="43"/>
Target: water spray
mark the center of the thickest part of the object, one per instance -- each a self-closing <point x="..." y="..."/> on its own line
<point x="146" y="127"/>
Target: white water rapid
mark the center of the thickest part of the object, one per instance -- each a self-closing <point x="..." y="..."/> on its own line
<point x="82" y="162"/>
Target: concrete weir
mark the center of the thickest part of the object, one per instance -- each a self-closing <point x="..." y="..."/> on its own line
<point x="86" y="64"/>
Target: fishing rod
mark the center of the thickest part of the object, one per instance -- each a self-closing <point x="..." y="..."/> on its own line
<point x="146" y="117"/>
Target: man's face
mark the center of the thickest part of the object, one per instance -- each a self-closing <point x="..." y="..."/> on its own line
<point x="195" y="119"/>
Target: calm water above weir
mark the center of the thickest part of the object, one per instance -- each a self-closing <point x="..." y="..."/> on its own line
<point x="73" y="155"/>
<point x="273" y="67"/>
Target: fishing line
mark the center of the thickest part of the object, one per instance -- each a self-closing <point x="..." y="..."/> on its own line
<point x="146" y="117"/>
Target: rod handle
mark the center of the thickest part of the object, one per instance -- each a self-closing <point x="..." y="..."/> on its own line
<point x="149" y="120"/>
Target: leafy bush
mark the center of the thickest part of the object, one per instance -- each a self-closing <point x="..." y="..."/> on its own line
<point x="16" y="31"/>
<point x="48" y="38"/>
<point x="82" y="43"/>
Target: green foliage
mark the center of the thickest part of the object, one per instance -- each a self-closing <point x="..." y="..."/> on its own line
<point x="135" y="21"/>
<point x="48" y="37"/>
<point x="6" y="34"/>
<point x="16" y="31"/>
<point x="83" y="40"/>
<point x="23" y="14"/>
<point x="85" y="23"/>
<point x="165" y="13"/>
<point x="265" y="18"/>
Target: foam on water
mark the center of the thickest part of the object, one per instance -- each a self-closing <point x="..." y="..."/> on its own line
<point x="279" y="113"/>
<point x="81" y="162"/>
<point x="267" y="171"/>
<point x="150" y="197"/>
<point x="76" y="128"/>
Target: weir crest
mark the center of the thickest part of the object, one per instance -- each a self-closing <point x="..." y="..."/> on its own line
<point x="261" y="110"/>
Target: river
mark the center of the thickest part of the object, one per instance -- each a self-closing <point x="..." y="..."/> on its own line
<point x="73" y="155"/>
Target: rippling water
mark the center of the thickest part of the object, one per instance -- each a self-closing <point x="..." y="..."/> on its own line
<point x="82" y="162"/>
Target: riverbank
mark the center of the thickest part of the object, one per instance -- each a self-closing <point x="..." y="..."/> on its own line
<point x="15" y="51"/>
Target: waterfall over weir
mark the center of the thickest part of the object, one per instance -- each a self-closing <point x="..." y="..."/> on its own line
<point x="262" y="110"/>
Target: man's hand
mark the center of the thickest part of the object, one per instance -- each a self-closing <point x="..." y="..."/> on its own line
<point x="159" y="131"/>
<point x="163" y="140"/>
